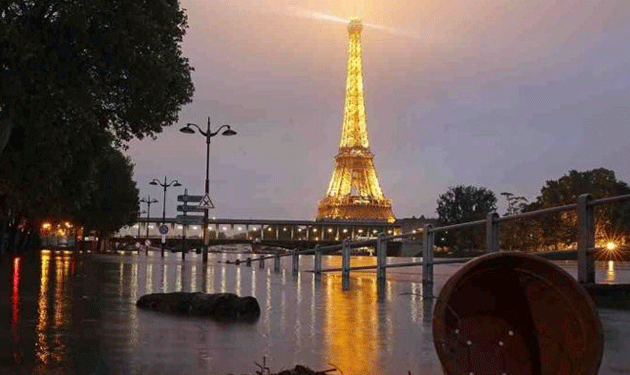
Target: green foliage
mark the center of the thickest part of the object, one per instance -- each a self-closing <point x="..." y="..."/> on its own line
<point x="519" y="234"/>
<point x="114" y="64"/>
<point x="560" y="230"/>
<point x="115" y="202"/>
<point x="462" y="204"/>
<point x="75" y="77"/>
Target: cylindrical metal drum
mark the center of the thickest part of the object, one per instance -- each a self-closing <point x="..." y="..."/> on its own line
<point x="514" y="313"/>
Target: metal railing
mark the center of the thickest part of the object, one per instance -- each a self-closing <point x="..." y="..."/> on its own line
<point x="585" y="244"/>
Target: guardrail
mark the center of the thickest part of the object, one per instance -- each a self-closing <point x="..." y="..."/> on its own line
<point x="585" y="244"/>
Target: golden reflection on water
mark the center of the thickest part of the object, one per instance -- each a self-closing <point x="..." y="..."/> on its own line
<point x="130" y="288"/>
<point x="133" y="296"/>
<point x="611" y="275"/>
<point x="164" y="284"/>
<point x="267" y="315"/>
<point x="45" y="352"/>
<point x="193" y="278"/>
<point x="149" y="282"/>
<point x="283" y="300"/>
<point x="253" y="281"/>
<point x="351" y="333"/>
<point x="223" y="278"/>
<point x="58" y="300"/>
<point x="63" y="304"/>
<point x="178" y="278"/>
<point x="42" y="350"/>
<point x="312" y="304"/>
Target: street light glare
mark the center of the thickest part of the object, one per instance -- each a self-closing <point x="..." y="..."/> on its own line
<point x="611" y="246"/>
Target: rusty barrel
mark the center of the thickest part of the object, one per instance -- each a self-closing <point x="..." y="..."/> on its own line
<point x="514" y="313"/>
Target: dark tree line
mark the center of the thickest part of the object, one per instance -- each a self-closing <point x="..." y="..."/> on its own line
<point x="552" y="232"/>
<point x="79" y="79"/>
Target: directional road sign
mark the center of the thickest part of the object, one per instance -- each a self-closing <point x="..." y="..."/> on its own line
<point x="189" y="198"/>
<point x="185" y="208"/>
<point x="190" y="220"/>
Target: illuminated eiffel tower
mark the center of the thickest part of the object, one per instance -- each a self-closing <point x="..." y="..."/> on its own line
<point x="354" y="192"/>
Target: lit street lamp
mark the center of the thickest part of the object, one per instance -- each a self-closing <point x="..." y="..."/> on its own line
<point x="148" y="201"/>
<point x="189" y="130"/>
<point x="165" y="186"/>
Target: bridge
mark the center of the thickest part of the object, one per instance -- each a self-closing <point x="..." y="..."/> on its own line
<point x="288" y="234"/>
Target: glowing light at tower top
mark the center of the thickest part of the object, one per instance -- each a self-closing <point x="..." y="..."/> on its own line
<point x="355" y="25"/>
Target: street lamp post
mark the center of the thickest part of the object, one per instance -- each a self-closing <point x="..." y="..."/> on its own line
<point x="227" y="132"/>
<point x="148" y="201"/>
<point x="165" y="186"/>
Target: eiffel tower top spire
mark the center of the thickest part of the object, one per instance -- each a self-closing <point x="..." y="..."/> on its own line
<point x="354" y="129"/>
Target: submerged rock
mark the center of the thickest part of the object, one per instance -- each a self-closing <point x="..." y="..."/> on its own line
<point x="220" y="306"/>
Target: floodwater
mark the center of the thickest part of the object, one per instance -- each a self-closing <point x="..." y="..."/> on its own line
<point x="65" y="313"/>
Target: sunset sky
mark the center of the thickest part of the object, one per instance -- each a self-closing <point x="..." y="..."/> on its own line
<point x="494" y="93"/>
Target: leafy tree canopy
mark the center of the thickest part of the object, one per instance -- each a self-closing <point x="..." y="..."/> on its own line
<point x="115" y="64"/>
<point x="114" y="202"/>
<point x="465" y="203"/>
<point x="462" y="204"/>
<point x="611" y="220"/>
<point x="75" y="77"/>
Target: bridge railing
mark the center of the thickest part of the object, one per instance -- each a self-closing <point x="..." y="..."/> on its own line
<point x="585" y="244"/>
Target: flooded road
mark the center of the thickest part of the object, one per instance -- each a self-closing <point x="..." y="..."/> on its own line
<point x="62" y="313"/>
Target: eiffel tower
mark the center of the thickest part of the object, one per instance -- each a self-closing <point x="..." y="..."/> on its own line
<point x="354" y="192"/>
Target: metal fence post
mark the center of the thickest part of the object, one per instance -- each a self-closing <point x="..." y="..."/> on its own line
<point x="381" y="257"/>
<point x="318" y="260"/>
<point x="276" y="263"/>
<point x="586" y="240"/>
<point x="262" y="262"/>
<point x="492" y="232"/>
<point x="296" y="262"/>
<point x="345" y="259"/>
<point x="428" y="238"/>
<point x="248" y="262"/>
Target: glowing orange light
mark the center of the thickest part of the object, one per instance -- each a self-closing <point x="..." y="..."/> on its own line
<point x="15" y="298"/>
<point x="611" y="246"/>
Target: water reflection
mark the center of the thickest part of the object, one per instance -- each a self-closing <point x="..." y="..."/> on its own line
<point x="52" y="346"/>
<point x="15" y="299"/>
<point x="610" y="272"/>
<point x="149" y="282"/>
<point x="86" y="321"/>
<point x="41" y="348"/>
<point x="350" y="325"/>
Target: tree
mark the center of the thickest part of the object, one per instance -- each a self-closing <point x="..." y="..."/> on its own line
<point x="560" y="230"/>
<point x="114" y="203"/>
<point x="115" y="65"/>
<point x="462" y="204"/>
<point x="518" y="234"/>
<point x="74" y="77"/>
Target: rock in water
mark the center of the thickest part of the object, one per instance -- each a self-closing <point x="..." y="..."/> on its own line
<point x="220" y="306"/>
